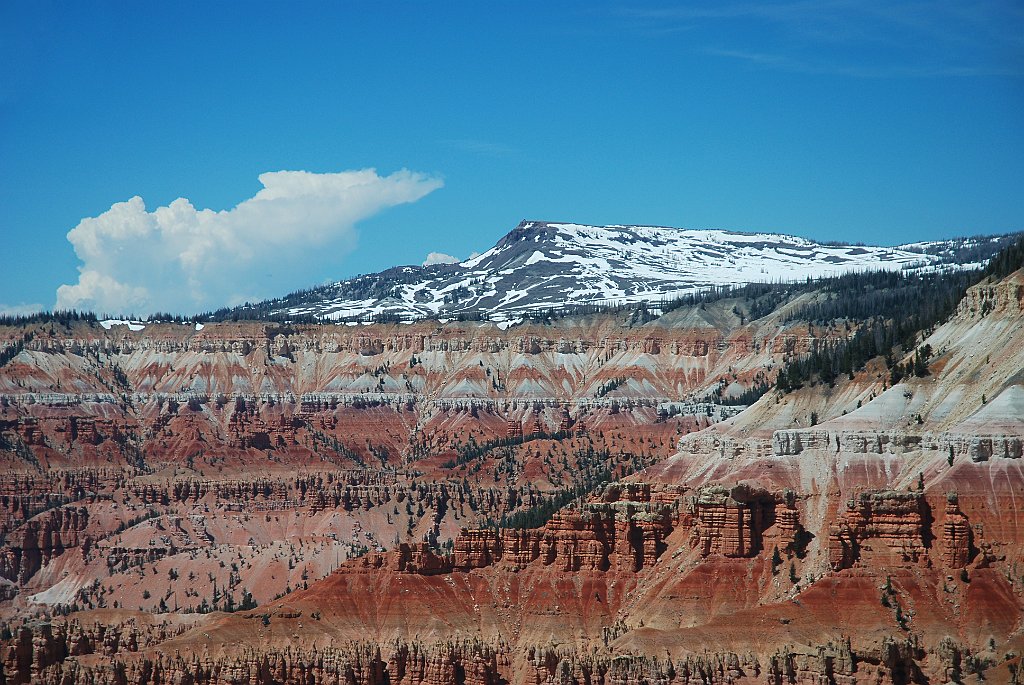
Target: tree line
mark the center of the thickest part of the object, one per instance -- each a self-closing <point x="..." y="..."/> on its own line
<point x="890" y="310"/>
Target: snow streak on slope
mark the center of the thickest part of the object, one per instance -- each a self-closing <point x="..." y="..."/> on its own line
<point x="540" y="266"/>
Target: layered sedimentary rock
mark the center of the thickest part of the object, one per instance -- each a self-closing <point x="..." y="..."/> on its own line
<point x="731" y="522"/>
<point x="329" y="494"/>
<point x="38" y="645"/>
<point x="464" y="663"/>
<point x="896" y="522"/>
<point x="599" y="537"/>
<point x="482" y="547"/>
<point x="415" y="558"/>
<point x="43" y="659"/>
<point x="957" y="536"/>
<point x="792" y="442"/>
<point x="252" y="360"/>
<point x="40" y="539"/>
<point x="624" y="529"/>
<point x="892" y="662"/>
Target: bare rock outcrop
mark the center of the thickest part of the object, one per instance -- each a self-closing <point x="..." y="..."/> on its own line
<point x="466" y="662"/>
<point x="624" y="529"/>
<point x="40" y="539"/>
<point x="957" y="536"/>
<point x="896" y="522"/>
<point x="890" y="663"/>
<point x="731" y="521"/>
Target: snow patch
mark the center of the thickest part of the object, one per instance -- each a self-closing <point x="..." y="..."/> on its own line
<point x="132" y="325"/>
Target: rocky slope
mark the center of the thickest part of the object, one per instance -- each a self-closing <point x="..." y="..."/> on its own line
<point x="260" y="457"/>
<point x="260" y="503"/>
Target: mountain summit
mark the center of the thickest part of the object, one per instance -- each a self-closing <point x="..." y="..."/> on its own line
<point x="542" y="265"/>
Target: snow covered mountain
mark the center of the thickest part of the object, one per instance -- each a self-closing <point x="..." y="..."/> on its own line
<point x="540" y="266"/>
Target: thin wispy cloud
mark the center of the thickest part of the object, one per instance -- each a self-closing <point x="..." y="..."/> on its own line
<point x="785" y="63"/>
<point x="182" y="259"/>
<point x="692" y="12"/>
<point x="854" y="39"/>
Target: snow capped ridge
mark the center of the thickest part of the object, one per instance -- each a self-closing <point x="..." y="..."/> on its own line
<point x="542" y="265"/>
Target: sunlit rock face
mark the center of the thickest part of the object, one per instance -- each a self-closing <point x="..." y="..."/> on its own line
<point x="452" y="503"/>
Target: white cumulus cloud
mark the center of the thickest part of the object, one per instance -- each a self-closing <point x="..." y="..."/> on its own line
<point x="180" y="259"/>
<point x="439" y="258"/>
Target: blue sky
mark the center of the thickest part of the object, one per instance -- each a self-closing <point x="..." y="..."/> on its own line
<point x="858" y="121"/>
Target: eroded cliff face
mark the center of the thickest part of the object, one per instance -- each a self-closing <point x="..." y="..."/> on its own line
<point x="957" y="537"/>
<point x="894" y="521"/>
<point x="626" y="529"/>
<point x="956" y="431"/>
<point x="570" y="360"/>
<point x="179" y="442"/>
<point x="348" y="482"/>
<point x="475" y="663"/>
<point x="597" y="596"/>
<point x="732" y="521"/>
<point x="624" y="536"/>
<point x="41" y="539"/>
<point x="51" y="656"/>
<point x="893" y="662"/>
